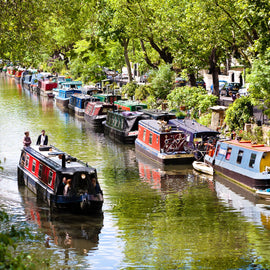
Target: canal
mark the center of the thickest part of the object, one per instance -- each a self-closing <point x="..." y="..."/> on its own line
<point x="153" y="217"/>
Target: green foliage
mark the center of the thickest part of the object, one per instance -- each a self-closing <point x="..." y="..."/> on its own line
<point x="143" y="91"/>
<point x="162" y="81"/>
<point x="239" y="113"/>
<point x="129" y="89"/>
<point x="195" y="99"/>
<point x="11" y="256"/>
<point x="259" y="80"/>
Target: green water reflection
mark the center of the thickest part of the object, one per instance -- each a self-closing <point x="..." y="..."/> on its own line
<point x="163" y="218"/>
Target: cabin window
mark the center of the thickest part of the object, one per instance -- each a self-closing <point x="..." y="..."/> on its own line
<point x="144" y="134"/>
<point x="157" y="139"/>
<point x="218" y="147"/>
<point x="252" y="160"/>
<point x="40" y="170"/>
<point x="228" y="154"/>
<point x="34" y="166"/>
<point x="50" y="177"/>
<point x="27" y="161"/>
<point x="150" y="138"/>
<point x="239" y="157"/>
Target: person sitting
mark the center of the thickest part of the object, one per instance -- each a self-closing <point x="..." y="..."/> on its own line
<point x="95" y="188"/>
<point x="26" y="140"/>
<point x="61" y="187"/>
<point x="42" y="138"/>
<point x="67" y="188"/>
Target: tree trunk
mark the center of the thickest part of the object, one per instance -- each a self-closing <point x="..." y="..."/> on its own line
<point x="192" y="79"/>
<point x="125" y="45"/>
<point x="214" y="70"/>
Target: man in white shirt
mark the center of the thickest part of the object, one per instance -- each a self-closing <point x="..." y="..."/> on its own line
<point x="42" y="138"/>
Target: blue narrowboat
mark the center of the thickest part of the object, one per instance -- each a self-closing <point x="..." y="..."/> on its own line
<point x="245" y="163"/>
<point x="44" y="171"/>
<point x="66" y="91"/>
<point x="77" y="103"/>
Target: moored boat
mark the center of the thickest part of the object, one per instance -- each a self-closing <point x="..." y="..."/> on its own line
<point x="43" y="169"/>
<point x="203" y="167"/>
<point x="263" y="193"/>
<point x="77" y="103"/>
<point x="107" y="98"/>
<point x="46" y="87"/>
<point x="122" y="126"/>
<point x="129" y="105"/>
<point x="96" y="112"/>
<point x="163" y="142"/>
<point x="243" y="162"/>
<point x="66" y="91"/>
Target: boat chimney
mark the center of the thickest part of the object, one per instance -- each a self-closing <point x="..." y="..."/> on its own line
<point x="63" y="161"/>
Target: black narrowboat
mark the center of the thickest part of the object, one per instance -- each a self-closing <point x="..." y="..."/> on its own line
<point x="44" y="169"/>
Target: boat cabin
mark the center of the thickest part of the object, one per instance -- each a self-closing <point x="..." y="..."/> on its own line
<point x="129" y="105"/>
<point x="107" y="98"/>
<point x="247" y="163"/>
<point x="163" y="142"/>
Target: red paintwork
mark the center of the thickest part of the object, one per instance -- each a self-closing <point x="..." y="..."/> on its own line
<point x="47" y="85"/>
<point x="45" y="171"/>
<point x="123" y="108"/>
<point x="18" y="73"/>
<point x="162" y="140"/>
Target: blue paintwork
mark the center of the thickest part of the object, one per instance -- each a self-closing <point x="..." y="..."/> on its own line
<point x="232" y="165"/>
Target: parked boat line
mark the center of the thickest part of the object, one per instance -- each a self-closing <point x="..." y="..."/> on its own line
<point x="123" y="124"/>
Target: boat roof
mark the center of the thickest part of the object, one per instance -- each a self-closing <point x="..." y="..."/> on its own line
<point x="248" y="145"/>
<point x="129" y="103"/>
<point x="156" y="125"/>
<point x="51" y="157"/>
<point x="158" y="114"/>
<point x="191" y="126"/>
<point x="72" y="83"/>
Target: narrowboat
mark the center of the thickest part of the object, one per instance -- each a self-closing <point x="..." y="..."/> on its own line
<point x="77" y="103"/>
<point x="96" y="112"/>
<point x="107" y="98"/>
<point x="129" y="105"/>
<point x="245" y="163"/>
<point x="67" y="89"/>
<point x="43" y="169"/>
<point x="122" y="126"/>
<point x="45" y="87"/>
<point x="163" y="142"/>
<point x="18" y="74"/>
<point x="26" y="81"/>
<point x="198" y="134"/>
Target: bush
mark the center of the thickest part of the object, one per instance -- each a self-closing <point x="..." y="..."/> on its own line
<point x="239" y="113"/>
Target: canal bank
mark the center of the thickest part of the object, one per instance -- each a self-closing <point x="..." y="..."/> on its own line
<point x="154" y="218"/>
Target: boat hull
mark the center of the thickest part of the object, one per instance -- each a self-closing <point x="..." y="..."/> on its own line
<point x="63" y="102"/>
<point x="80" y="204"/>
<point x="253" y="183"/>
<point x="95" y="121"/>
<point x="162" y="158"/>
<point x="119" y="135"/>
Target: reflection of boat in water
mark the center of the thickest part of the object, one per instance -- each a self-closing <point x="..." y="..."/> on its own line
<point x="64" y="230"/>
<point x="243" y="200"/>
<point x="169" y="178"/>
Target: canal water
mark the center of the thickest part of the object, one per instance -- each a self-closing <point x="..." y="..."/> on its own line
<point x="154" y="217"/>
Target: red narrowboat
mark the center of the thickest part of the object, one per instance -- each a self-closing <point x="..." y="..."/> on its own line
<point x="96" y="112"/>
<point x="45" y="170"/>
<point x="163" y="142"/>
<point x="45" y="87"/>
